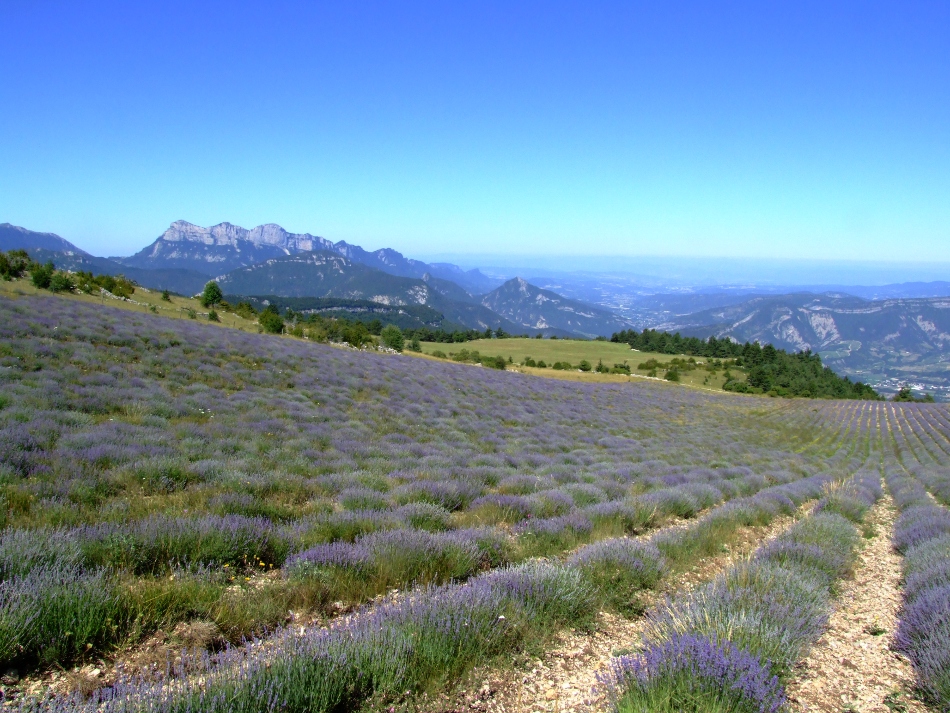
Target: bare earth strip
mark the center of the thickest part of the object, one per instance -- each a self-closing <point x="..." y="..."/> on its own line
<point x="565" y="678"/>
<point x="851" y="667"/>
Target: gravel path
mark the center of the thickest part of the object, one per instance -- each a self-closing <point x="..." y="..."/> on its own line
<point x="565" y="677"/>
<point x="851" y="667"/>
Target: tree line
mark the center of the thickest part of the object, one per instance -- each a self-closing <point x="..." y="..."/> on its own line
<point x="770" y="370"/>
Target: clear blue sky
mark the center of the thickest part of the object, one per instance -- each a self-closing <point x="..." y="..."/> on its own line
<point x="758" y="129"/>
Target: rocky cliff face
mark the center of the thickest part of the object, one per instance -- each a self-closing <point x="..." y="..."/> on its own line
<point x="221" y="248"/>
<point x="225" y="247"/>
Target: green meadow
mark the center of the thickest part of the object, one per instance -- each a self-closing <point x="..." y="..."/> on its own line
<point x="574" y="351"/>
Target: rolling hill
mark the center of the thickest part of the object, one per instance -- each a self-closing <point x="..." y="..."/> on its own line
<point x="406" y="317"/>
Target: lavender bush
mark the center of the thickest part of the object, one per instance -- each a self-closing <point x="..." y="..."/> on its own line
<point x="922" y="533"/>
<point x="620" y="569"/>
<point x="693" y="674"/>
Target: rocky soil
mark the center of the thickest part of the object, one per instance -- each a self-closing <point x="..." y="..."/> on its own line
<point x="564" y="678"/>
<point x="851" y="667"/>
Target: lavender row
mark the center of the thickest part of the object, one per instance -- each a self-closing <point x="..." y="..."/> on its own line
<point x="621" y="568"/>
<point x="554" y="595"/>
<point x="730" y="644"/>
<point x="432" y="636"/>
<point x="922" y="535"/>
<point x="156" y="544"/>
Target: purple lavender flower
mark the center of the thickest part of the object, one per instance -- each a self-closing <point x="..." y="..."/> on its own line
<point x="693" y="673"/>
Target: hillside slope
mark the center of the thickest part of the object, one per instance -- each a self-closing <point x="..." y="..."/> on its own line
<point x="882" y="342"/>
<point x="326" y="274"/>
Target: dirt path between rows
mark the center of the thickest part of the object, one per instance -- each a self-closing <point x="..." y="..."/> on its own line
<point x="565" y="677"/>
<point x="851" y="667"/>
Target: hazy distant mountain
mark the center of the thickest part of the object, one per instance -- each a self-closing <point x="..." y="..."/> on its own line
<point x="13" y="237"/>
<point x="395" y="263"/>
<point x="538" y="309"/>
<point x="225" y="247"/>
<point x="881" y="342"/>
<point x="903" y="290"/>
<point x="328" y="274"/>
<point x="649" y="301"/>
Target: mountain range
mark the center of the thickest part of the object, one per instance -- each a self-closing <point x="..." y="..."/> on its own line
<point x="268" y="260"/>
<point x="882" y="342"/>
<point x="225" y="247"/>
<point x="514" y="307"/>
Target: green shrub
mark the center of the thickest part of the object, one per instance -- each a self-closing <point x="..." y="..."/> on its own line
<point x="393" y="337"/>
<point x="584" y="365"/>
<point x="15" y="263"/>
<point x="61" y="282"/>
<point x="271" y="322"/>
<point x="42" y="275"/>
<point x="245" y="310"/>
<point x="497" y="362"/>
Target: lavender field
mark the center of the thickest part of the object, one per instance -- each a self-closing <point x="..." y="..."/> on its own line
<point x="274" y="494"/>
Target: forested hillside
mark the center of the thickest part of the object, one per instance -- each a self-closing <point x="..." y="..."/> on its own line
<point x="770" y="370"/>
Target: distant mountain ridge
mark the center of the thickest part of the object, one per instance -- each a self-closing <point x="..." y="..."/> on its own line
<point x="220" y="248"/>
<point x="525" y="304"/>
<point x="225" y="247"/>
<point x="49" y="247"/>
<point x="268" y="260"/>
<point x="882" y="342"/>
<point x="13" y="237"/>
